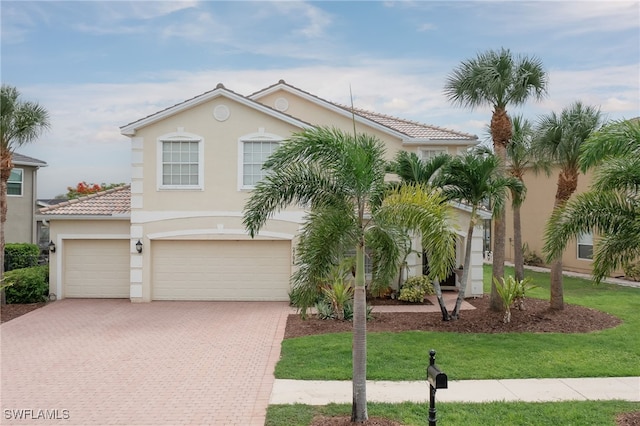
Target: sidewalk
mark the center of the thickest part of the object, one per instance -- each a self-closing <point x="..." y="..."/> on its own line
<point x="314" y="392"/>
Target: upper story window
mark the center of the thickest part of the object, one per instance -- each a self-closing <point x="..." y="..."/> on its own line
<point x="180" y="161"/>
<point x="15" y="182"/>
<point x="585" y="246"/>
<point x="427" y="154"/>
<point x="253" y="152"/>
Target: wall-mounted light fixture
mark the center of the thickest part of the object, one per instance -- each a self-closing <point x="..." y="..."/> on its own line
<point x="139" y="246"/>
<point x="52" y="246"/>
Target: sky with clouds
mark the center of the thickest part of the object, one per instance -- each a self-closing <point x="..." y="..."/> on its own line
<point x="98" y="65"/>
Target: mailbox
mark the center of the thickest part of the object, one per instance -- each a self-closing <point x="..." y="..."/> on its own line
<point x="436" y="378"/>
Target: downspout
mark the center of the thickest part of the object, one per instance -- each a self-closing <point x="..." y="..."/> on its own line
<point x="34" y="198"/>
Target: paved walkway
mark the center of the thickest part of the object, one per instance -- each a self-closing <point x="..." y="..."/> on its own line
<point x="314" y="392"/>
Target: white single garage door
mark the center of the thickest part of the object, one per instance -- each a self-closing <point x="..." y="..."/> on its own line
<point x="221" y="270"/>
<point x="96" y="268"/>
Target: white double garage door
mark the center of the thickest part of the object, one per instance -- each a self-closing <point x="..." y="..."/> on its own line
<point x="182" y="270"/>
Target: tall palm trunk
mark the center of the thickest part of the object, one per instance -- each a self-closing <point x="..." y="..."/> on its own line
<point x="567" y="184"/>
<point x="443" y="307"/>
<point x="501" y="132"/>
<point x="518" y="255"/>
<point x="359" y="347"/>
<point x="467" y="265"/>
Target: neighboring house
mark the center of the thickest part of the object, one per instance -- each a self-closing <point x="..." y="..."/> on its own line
<point x="534" y="214"/>
<point x="176" y="232"/>
<point x="21" y="226"/>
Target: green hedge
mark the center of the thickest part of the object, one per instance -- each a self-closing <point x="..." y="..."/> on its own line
<point x="20" y="255"/>
<point x="27" y="285"/>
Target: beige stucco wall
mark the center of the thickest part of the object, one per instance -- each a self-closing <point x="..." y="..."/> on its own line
<point x="21" y="225"/>
<point x="215" y="211"/>
<point x="62" y="231"/>
<point x="535" y="212"/>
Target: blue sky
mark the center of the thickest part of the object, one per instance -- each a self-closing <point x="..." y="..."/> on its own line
<point x="99" y="65"/>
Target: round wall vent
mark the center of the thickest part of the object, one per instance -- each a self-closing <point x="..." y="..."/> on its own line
<point x="281" y="104"/>
<point x="221" y="112"/>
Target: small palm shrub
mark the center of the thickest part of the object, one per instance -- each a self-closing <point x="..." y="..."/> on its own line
<point x="512" y="292"/>
<point x="415" y="289"/>
<point x="338" y="294"/>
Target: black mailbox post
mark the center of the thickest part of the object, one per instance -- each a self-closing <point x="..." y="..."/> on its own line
<point x="437" y="380"/>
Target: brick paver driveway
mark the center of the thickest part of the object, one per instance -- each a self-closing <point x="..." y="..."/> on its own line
<point x="99" y="362"/>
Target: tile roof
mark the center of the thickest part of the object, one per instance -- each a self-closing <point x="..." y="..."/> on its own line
<point x="24" y="160"/>
<point x="113" y="202"/>
<point x="412" y="129"/>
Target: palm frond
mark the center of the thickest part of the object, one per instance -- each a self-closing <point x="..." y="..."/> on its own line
<point x="617" y="139"/>
<point x="606" y="213"/>
<point x="419" y="208"/>
<point x="496" y="78"/>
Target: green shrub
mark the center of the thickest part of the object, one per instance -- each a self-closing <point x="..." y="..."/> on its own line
<point x="632" y="271"/>
<point x="530" y="257"/>
<point x="20" y="255"/>
<point x="27" y="285"/>
<point x="415" y="289"/>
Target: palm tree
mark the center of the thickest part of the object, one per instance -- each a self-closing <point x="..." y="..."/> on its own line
<point x="21" y="122"/>
<point x="520" y="157"/>
<point x="497" y="79"/>
<point x="473" y="178"/>
<point x="413" y="170"/>
<point x="559" y="139"/>
<point x="612" y="205"/>
<point x="341" y="178"/>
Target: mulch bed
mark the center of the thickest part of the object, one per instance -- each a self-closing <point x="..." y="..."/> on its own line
<point x="346" y="421"/>
<point x="536" y="318"/>
<point x="627" y="419"/>
<point x="9" y="312"/>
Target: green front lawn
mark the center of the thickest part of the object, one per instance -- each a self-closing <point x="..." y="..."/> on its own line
<point x="404" y="356"/>
<point x="577" y="413"/>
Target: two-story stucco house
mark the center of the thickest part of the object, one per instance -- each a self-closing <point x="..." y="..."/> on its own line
<point x="176" y="232"/>
<point x="21" y="225"/>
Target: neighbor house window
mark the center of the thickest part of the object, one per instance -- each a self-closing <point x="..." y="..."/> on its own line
<point x="180" y="163"/>
<point x="254" y="154"/>
<point x="426" y="154"/>
<point x="585" y="246"/>
<point x="15" y="182"/>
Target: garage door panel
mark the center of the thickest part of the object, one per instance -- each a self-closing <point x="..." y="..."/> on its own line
<point x="96" y="268"/>
<point x="221" y="270"/>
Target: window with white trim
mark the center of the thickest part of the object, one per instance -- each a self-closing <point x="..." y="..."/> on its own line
<point x="585" y="246"/>
<point x="427" y="154"/>
<point x="15" y="182"/>
<point x="180" y="162"/>
<point x="254" y="155"/>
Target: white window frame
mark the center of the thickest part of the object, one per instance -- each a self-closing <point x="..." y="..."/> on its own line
<point x="260" y="136"/>
<point x="425" y="153"/>
<point x="180" y="136"/>
<point x="583" y="240"/>
<point x="15" y="182"/>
